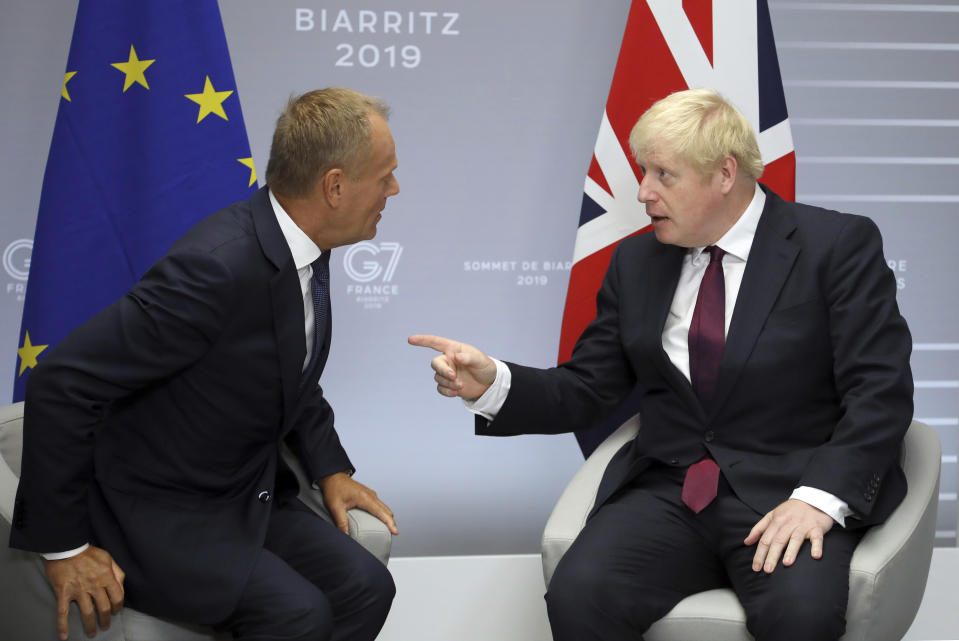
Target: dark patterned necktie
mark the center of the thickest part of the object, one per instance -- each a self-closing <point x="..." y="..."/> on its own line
<point x="320" y="291"/>
<point x="707" y="338"/>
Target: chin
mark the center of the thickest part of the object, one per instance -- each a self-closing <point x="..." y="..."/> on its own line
<point x="662" y="237"/>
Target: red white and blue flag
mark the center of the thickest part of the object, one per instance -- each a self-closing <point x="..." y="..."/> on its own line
<point x="670" y="46"/>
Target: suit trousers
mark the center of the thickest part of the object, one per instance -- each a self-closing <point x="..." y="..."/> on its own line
<point x="644" y="551"/>
<point x="311" y="582"/>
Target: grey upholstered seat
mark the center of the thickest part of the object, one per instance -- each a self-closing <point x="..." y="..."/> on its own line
<point x="887" y="577"/>
<point x="27" y="604"/>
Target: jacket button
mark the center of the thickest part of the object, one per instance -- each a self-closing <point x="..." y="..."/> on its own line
<point x="674" y="461"/>
<point x="264" y="496"/>
<point x="709" y="436"/>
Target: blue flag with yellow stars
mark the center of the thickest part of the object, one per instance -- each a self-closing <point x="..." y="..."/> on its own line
<point x="149" y="139"/>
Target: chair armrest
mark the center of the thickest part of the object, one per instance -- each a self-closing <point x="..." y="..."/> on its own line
<point x="889" y="568"/>
<point x="576" y="502"/>
<point x="371" y="533"/>
<point x="366" y="529"/>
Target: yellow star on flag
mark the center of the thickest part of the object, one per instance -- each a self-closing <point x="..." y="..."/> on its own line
<point x="133" y="68"/>
<point x="248" y="162"/>
<point x="66" y="79"/>
<point x="28" y="354"/>
<point x="210" y="101"/>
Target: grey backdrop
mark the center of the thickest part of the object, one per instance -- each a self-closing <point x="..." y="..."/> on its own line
<point x="496" y="107"/>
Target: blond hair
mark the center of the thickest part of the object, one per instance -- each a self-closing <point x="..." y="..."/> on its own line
<point x="318" y="131"/>
<point x="700" y="126"/>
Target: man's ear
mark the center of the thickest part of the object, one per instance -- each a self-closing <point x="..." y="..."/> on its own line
<point x="728" y="170"/>
<point x="333" y="184"/>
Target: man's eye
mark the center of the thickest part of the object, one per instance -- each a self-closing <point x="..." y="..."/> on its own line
<point x="663" y="173"/>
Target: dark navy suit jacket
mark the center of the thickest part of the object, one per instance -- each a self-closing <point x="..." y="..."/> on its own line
<point x="815" y="386"/>
<point x="153" y="430"/>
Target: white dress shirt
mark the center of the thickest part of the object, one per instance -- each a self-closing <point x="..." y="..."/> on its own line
<point x="304" y="253"/>
<point x="736" y="243"/>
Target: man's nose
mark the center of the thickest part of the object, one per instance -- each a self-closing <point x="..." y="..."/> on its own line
<point x="644" y="193"/>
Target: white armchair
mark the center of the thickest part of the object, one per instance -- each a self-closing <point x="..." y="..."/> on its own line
<point x="887" y="575"/>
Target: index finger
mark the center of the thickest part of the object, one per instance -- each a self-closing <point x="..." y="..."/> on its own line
<point x="380" y="510"/>
<point x="758" y="529"/>
<point x="101" y="600"/>
<point x="438" y="343"/>
<point x="815" y="543"/>
<point x="115" y="594"/>
<point x="87" y="615"/>
<point x="338" y="513"/>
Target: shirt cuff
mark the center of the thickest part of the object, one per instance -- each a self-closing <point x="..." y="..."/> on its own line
<point x="489" y="404"/>
<point x="832" y="505"/>
<point x="59" y="556"/>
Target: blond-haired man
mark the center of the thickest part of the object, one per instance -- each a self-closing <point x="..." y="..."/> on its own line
<point x="153" y="432"/>
<point x="775" y="365"/>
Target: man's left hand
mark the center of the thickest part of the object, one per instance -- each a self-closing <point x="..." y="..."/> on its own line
<point x="342" y="493"/>
<point x="785" y="528"/>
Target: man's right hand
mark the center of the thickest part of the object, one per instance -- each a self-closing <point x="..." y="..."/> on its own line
<point x="461" y="369"/>
<point x="92" y="579"/>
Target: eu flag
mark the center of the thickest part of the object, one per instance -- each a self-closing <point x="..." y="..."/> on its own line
<point x="149" y="139"/>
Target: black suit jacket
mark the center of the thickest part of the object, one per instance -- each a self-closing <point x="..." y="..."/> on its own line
<point x="153" y="430"/>
<point x="815" y="386"/>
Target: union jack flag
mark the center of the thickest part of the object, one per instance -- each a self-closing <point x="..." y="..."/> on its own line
<point x="670" y="46"/>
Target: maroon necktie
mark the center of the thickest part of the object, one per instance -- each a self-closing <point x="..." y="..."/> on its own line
<point x="707" y="335"/>
<point x="707" y="338"/>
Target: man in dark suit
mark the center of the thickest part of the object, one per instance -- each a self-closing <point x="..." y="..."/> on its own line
<point x="775" y="365"/>
<point x="152" y="434"/>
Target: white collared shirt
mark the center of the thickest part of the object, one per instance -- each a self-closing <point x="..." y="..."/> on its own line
<point x="304" y="252"/>
<point x="736" y="243"/>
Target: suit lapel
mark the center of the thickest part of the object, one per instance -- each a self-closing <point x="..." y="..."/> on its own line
<point x="771" y="258"/>
<point x="663" y="277"/>
<point x="328" y="334"/>
<point x="286" y="299"/>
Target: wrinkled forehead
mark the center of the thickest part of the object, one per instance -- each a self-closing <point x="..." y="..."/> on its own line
<point x="658" y="150"/>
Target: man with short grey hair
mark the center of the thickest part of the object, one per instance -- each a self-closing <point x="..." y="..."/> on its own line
<point x="152" y="434"/>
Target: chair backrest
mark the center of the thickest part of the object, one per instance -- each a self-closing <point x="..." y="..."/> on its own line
<point x="11" y="448"/>
<point x="11" y="435"/>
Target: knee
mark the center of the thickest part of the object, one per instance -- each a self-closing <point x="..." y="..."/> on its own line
<point x="307" y="619"/>
<point x="375" y="583"/>
<point x="799" y="617"/>
<point x="579" y="591"/>
<point x="572" y="584"/>
<point x="594" y="600"/>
